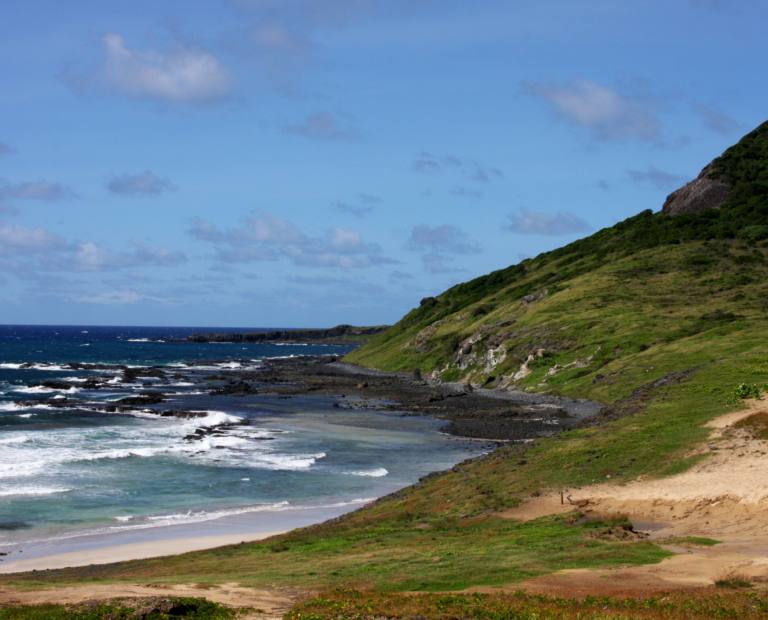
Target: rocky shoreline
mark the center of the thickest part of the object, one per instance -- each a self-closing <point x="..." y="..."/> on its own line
<point x="472" y="413"/>
<point x="499" y="415"/>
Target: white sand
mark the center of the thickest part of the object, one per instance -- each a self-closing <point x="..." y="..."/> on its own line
<point x="133" y="551"/>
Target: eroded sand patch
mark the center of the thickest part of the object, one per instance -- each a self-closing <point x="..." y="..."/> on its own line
<point x="724" y="497"/>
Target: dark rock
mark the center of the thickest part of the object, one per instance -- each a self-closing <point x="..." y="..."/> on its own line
<point x="56" y="385"/>
<point x="428" y="302"/>
<point x="141" y="400"/>
<point x="236" y="387"/>
<point x="701" y="194"/>
<point x="13" y="525"/>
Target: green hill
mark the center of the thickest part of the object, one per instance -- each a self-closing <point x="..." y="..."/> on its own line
<point x="662" y="317"/>
<point x="603" y="303"/>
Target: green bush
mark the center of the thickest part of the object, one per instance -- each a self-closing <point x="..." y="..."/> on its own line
<point x="747" y="390"/>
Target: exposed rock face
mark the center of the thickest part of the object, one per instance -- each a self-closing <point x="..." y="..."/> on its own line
<point x="699" y="195"/>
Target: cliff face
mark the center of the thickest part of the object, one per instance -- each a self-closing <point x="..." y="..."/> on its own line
<point x="703" y="193"/>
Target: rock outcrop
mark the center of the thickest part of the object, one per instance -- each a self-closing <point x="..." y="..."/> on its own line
<point x="704" y="192"/>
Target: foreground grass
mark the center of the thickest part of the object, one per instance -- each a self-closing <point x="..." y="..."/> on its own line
<point x="154" y="609"/>
<point x="403" y="554"/>
<point x="355" y="605"/>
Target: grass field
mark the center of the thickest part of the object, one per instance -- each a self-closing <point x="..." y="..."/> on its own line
<point x="355" y="605"/>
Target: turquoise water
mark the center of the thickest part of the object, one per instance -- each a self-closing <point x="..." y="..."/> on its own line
<point x="68" y="469"/>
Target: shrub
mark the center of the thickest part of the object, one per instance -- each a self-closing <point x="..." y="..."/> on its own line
<point x="747" y="390"/>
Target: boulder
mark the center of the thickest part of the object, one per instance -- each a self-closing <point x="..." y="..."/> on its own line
<point x="701" y="194"/>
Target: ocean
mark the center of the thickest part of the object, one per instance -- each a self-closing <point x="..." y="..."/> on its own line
<point x="77" y="471"/>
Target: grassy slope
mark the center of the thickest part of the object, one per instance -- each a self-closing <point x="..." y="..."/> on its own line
<point x="624" y="308"/>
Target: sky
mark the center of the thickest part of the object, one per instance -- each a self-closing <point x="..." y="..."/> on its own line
<point x="314" y="162"/>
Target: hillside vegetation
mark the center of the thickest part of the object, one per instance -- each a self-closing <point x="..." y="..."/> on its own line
<point x="663" y="319"/>
<point x="641" y="284"/>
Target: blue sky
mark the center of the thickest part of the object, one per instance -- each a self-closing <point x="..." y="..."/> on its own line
<point x="311" y="162"/>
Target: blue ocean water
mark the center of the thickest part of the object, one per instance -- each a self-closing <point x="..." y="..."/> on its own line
<point x="68" y="468"/>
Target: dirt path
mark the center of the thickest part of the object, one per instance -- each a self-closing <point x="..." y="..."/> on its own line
<point x="725" y="497"/>
<point x="265" y="603"/>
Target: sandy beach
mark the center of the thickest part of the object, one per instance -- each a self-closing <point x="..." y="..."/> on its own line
<point x="132" y="551"/>
<point x="104" y="548"/>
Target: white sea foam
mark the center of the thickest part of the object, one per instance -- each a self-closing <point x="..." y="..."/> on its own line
<point x="377" y="472"/>
<point x="183" y="518"/>
<point x="32" y="490"/>
<point x="14" y="439"/>
<point x="41" y="389"/>
<point x="9" y="406"/>
<point x="215" y="418"/>
<point x="9" y="366"/>
<point x="286" y="462"/>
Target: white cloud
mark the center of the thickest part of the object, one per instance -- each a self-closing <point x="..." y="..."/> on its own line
<point x="715" y="120"/>
<point x="263" y="236"/>
<point x="33" y="240"/>
<point x="145" y="183"/>
<point x="526" y="222"/>
<point x="440" y="245"/>
<point x="444" y="238"/>
<point x="429" y="163"/>
<point x="660" y="179"/>
<point x="31" y="251"/>
<point x="607" y="113"/>
<point x="183" y="75"/>
<point x="35" y="190"/>
<point x="321" y="126"/>
<point x="118" y="298"/>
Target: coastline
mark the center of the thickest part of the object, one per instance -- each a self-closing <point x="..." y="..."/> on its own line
<point x="130" y="551"/>
<point x="105" y="548"/>
<point x="480" y="415"/>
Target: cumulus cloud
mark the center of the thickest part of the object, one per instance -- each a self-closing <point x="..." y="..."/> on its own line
<point x="660" y="179"/>
<point x="35" y="190"/>
<point x="6" y="149"/>
<point x="183" y="74"/>
<point x="322" y="126"/>
<point x="31" y="251"/>
<point x="440" y="245"/>
<point x="14" y="239"/>
<point x="608" y="114"/>
<point x="282" y="36"/>
<point x="715" y="120"/>
<point x="362" y="206"/>
<point x="118" y="298"/>
<point x="527" y="222"/>
<point x="465" y="192"/>
<point x="91" y="256"/>
<point x="400" y="276"/>
<point x="470" y="170"/>
<point x="265" y="237"/>
<point x="145" y="183"/>
<point x="444" y="238"/>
